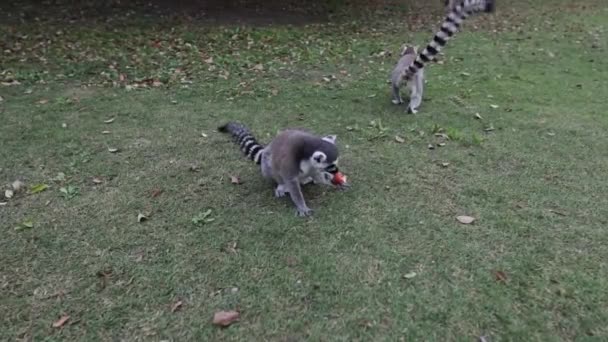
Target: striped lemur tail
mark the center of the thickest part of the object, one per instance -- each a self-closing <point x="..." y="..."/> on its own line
<point x="245" y="139"/>
<point x="461" y="9"/>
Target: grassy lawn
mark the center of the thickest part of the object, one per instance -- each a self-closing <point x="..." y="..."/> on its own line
<point x="532" y="171"/>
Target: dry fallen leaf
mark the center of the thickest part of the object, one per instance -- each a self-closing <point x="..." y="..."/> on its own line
<point x="399" y="139"/>
<point x="43" y="101"/>
<point x="109" y="120"/>
<point x="8" y="194"/>
<point x="235" y="180"/>
<point x="3" y="203"/>
<point x="477" y="116"/>
<point x="97" y="180"/>
<point x="445" y="164"/>
<point x="493" y="106"/>
<point x="38" y="188"/>
<point x="409" y="275"/>
<point x="176" y="306"/>
<point x="465" y="219"/>
<point x="203" y="134"/>
<point x="112" y="150"/>
<point x="105" y="132"/>
<point x="60" y="322"/>
<point x="209" y="60"/>
<point x="17" y="185"/>
<point x="431" y="147"/>
<point x="141" y="217"/>
<point x="500" y="276"/>
<point x="225" y="318"/>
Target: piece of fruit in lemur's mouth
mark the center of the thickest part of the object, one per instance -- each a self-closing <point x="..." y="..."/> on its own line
<point x="339" y="178"/>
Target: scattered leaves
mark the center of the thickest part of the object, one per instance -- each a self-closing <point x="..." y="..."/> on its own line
<point x="500" y="276"/>
<point x="465" y="219"/>
<point x="478" y="117"/>
<point x="445" y="164"/>
<point x="61" y="321"/>
<point x="38" y="188"/>
<point x="109" y="121"/>
<point x="235" y="180"/>
<point x="493" y="106"/>
<point x="97" y="180"/>
<point x="105" y="132"/>
<point x="203" y="134"/>
<point x="225" y="318"/>
<point x="176" y="306"/>
<point x="156" y="192"/>
<point x="399" y="139"/>
<point x="112" y="149"/>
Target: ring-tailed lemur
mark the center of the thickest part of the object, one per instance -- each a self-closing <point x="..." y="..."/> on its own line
<point x="292" y="158"/>
<point x="415" y="84"/>
<point x="459" y="11"/>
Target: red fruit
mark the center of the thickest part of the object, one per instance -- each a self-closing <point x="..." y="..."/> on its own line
<point x="339" y="178"/>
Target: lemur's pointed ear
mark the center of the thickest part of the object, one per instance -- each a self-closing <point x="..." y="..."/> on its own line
<point x="330" y="138"/>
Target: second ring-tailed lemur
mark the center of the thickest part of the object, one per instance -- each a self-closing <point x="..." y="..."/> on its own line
<point x="415" y="84"/>
<point x="459" y="10"/>
<point x="292" y="158"/>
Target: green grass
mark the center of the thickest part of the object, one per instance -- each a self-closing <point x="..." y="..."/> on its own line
<point x="531" y="171"/>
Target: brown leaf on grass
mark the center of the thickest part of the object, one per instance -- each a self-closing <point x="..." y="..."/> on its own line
<point x="122" y="77"/>
<point x="235" y="180"/>
<point x="465" y="219"/>
<point x="231" y="247"/>
<point x="557" y="212"/>
<point x="104" y="276"/>
<point x="176" y="306"/>
<point x="61" y="322"/>
<point x="141" y="217"/>
<point x="17" y="185"/>
<point x="156" y="192"/>
<point x="500" y="276"/>
<point x="225" y="318"/>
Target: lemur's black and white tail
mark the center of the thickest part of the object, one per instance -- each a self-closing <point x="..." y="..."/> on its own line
<point x="246" y="140"/>
<point x="462" y="10"/>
